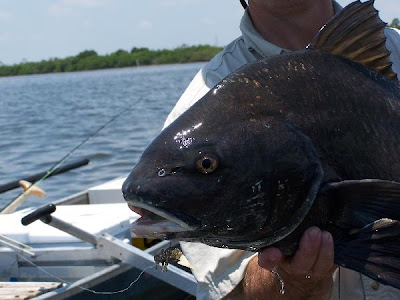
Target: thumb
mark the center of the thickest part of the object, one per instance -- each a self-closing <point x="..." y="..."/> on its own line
<point x="269" y="258"/>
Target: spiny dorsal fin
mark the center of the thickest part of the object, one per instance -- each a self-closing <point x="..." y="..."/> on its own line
<point x="357" y="33"/>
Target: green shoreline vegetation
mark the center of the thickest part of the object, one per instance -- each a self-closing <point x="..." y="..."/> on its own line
<point x="90" y="60"/>
<point x="395" y="23"/>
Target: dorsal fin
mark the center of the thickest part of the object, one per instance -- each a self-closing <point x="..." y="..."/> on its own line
<point x="357" y="33"/>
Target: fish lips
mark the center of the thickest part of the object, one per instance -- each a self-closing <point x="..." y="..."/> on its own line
<point x="156" y="222"/>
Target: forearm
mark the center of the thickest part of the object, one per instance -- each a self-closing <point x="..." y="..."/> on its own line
<point x="260" y="283"/>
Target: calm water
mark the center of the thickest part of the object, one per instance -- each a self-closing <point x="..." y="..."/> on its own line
<point x="43" y="117"/>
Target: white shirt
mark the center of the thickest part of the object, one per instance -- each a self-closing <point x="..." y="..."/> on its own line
<point x="217" y="270"/>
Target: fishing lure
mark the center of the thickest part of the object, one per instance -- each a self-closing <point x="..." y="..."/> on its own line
<point x="170" y="255"/>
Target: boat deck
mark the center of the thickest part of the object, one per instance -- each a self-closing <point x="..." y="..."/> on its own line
<point x="91" y="247"/>
<point x="26" y="290"/>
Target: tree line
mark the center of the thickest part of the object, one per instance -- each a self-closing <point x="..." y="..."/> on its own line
<point x="90" y="60"/>
<point x="395" y="23"/>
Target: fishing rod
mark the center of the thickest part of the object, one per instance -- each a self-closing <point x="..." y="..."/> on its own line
<point x="10" y="207"/>
<point x="65" y="168"/>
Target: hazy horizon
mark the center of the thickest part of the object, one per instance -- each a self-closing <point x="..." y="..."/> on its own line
<point x="43" y="29"/>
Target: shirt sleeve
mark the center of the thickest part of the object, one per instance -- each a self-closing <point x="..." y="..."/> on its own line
<point x="195" y="91"/>
<point x="393" y="45"/>
<point x="217" y="271"/>
<point x="234" y="55"/>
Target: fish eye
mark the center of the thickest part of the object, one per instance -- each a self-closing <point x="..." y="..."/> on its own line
<point x="207" y="164"/>
<point x="161" y="173"/>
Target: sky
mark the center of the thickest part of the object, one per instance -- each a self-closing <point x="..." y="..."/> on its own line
<point x="33" y="30"/>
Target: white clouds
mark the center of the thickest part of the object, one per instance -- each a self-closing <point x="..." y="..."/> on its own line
<point x="21" y="37"/>
<point x="145" y="25"/>
<point x="5" y="16"/>
<point x="207" y="21"/>
<point x="82" y="3"/>
<point x="69" y="7"/>
<point x="177" y="2"/>
<point x="87" y="24"/>
<point x="4" y="37"/>
<point x="59" y="10"/>
<point x="388" y="9"/>
<point x="49" y="28"/>
<point x="36" y="37"/>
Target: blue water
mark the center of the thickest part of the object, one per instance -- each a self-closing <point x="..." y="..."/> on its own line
<point x="43" y="117"/>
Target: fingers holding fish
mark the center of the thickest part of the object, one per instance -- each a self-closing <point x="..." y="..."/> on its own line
<point x="303" y="261"/>
<point x="309" y="271"/>
<point x="324" y="265"/>
<point x="314" y="258"/>
<point x="315" y="255"/>
<point x="269" y="258"/>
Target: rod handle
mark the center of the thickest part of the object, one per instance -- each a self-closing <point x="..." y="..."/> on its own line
<point x="40" y="213"/>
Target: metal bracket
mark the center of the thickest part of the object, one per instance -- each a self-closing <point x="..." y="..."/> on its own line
<point x="141" y="260"/>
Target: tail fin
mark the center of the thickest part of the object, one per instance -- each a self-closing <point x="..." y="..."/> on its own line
<point x="373" y="251"/>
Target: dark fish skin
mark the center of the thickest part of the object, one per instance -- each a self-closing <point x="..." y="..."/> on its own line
<point x="254" y="122"/>
<point x="301" y="139"/>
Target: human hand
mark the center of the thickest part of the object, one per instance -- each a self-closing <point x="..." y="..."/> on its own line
<point x="306" y="275"/>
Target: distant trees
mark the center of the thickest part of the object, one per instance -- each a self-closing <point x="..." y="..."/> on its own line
<point x="86" y="53"/>
<point x="90" y="60"/>
<point x="395" y="23"/>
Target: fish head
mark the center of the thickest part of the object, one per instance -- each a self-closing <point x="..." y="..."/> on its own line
<point x="221" y="183"/>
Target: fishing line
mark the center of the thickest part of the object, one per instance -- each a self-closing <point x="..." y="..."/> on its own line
<point x="81" y="287"/>
<point x="340" y="281"/>
<point x="63" y="159"/>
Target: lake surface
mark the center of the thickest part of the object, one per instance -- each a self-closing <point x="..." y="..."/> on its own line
<point x="43" y="117"/>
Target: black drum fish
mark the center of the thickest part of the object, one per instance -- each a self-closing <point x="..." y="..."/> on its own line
<point x="306" y="138"/>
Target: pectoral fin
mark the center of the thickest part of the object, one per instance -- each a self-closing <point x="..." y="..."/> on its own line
<point x="373" y="251"/>
<point x="361" y="202"/>
<point x="368" y="212"/>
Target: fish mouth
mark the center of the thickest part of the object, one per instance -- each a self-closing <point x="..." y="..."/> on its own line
<point x="155" y="222"/>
